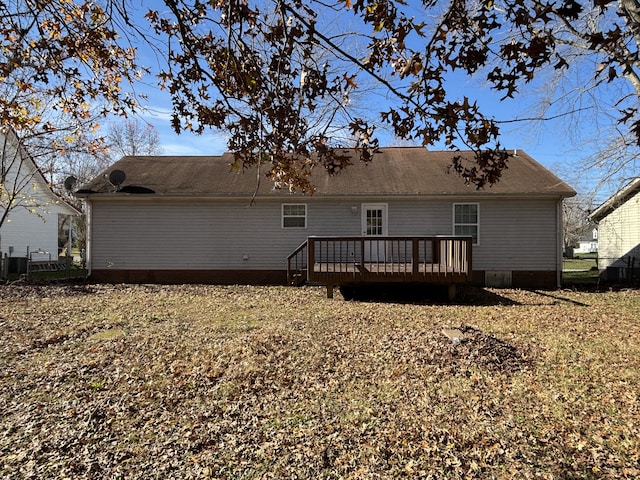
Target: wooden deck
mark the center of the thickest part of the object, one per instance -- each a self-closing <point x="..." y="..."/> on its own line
<point x="351" y="261"/>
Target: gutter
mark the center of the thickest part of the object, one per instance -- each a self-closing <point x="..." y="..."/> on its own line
<point x="116" y="196"/>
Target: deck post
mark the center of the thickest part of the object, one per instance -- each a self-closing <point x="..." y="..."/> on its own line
<point x="311" y="259"/>
<point x="329" y="291"/>
<point x="451" y="291"/>
<point x="415" y="246"/>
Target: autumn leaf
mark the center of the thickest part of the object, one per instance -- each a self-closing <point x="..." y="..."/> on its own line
<point x="193" y="380"/>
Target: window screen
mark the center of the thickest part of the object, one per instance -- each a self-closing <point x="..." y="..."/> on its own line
<point x="294" y="215"/>
<point x="466" y="220"/>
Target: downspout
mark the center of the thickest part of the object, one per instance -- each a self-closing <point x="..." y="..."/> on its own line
<point x="88" y="234"/>
<point x="70" y="239"/>
<point x="559" y="242"/>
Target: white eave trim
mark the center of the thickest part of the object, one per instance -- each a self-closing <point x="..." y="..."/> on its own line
<point x="320" y="197"/>
<point x="616" y="200"/>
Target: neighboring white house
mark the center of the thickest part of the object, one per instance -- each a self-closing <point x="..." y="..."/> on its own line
<point x="588" y="243"/>
<point x="29" y="209"/>
<point x="191" y="219"/>
<point x="619" y="234"/>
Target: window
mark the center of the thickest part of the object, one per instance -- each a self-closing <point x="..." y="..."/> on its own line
<point x="466" y="220"/>
<point x="374" y="221"/>
<point x="294" y="215"/>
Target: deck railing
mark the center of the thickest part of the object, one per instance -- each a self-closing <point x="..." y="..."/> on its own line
<point x="297" y="265"/>
<point x="350" y="260"/>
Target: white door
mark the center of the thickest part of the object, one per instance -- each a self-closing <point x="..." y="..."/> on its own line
<point x="374" y="224"/>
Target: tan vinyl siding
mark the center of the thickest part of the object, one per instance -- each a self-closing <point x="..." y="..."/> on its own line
<point x="514" y="234"/>
<point x="420" y="217"/>
<point x="517" y="235"/>
<point x="619" y="235"/>
<point x="333" y="218"/>
<point x="206" y="235"/>
<point x="190" y="234"/>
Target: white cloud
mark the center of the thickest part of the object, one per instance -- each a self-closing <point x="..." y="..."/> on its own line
<point x="187" y="143"/>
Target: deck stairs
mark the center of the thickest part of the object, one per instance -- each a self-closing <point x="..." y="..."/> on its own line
<point x="299" y="278"/>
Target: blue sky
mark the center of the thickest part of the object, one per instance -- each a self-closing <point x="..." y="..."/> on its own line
<point x="547" y="146"/>
<point x="554" y="143"/>
<point x="548" y="143"/>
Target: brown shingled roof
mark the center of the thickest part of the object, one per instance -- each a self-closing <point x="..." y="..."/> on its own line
<point x="395" y="171"/>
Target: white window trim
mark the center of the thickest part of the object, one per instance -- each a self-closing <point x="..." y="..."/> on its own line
<point x="282" y="216"/>
<point x="477" y="224"/>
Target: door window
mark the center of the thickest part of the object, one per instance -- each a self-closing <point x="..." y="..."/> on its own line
<point x="374" y="219"/>
<point x="374" y="222"/>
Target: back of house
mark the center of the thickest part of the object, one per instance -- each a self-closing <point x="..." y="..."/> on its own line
<point x="195" y="219"/>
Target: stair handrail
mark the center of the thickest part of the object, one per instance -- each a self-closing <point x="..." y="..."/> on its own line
<point x="301" y="248"/>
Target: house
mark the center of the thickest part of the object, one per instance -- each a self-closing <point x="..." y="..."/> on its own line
<point x="30" y="212"/>
<point x="618" y="221"/>
<point x="193" y="219"/>
<point x="588" y="243"/>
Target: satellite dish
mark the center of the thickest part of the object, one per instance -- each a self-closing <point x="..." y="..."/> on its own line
<point x="116" y="177"/>
<point x="70" y="182"/>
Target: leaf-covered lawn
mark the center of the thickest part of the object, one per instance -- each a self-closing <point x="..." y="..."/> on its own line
<point x="240" y="382"/>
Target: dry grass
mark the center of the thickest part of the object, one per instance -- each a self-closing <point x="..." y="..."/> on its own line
<point x="250" y="382"/>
